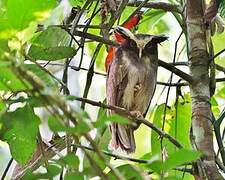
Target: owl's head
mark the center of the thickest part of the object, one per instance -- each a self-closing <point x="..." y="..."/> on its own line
<point x="140" y="43"/>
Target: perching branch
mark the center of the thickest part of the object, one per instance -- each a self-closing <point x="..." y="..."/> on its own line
<point x="131" y="116"/>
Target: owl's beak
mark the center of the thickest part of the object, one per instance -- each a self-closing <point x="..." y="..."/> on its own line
<point x="140" y="52"/>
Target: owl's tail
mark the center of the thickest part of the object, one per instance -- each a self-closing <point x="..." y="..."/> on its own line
<point x="122" y="137"/>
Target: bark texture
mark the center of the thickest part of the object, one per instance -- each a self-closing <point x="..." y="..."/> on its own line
<point x="200" y="91"/>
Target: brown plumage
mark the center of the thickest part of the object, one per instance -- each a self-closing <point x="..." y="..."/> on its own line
<point x="131" y="82"/>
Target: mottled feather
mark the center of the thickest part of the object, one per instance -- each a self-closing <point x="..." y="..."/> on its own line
<point x="131" y="84"/>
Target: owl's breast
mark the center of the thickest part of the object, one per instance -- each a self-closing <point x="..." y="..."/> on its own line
<point x="140" y="86"/>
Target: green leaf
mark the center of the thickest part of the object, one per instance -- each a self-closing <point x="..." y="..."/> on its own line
<point x="34" y="101"/>
<point x="52" y="171"/>
<point x="171" y="178"/>
<point x="113" y="118"/>
<point x="2" y="106"/>
<point x="70" y="160"/>
<point x="178" y="116"/>
<point x="222" y="7"/>
<point x="215" y="106"/>
<point x="55" y="125"/>
<point x="73" y="176"/>
<point x="174" y="160"/>
<point x="51" y="53"/>
<point x="221" y="92"/>
<point x="152" y="20"/>
<point x="102" y="140"/>
<point x="58" y="126"/>
<point x="49" y="81"/>
<point x="128" y="172"/>
<point x="81" y="127"/>
<point x="52" y="37"/>
<point x="19" y="129"/>
<point x="76" y="3"/>
<point x="218" y="45"/>
<point x="3" y="46"/>
<point x="9" y="80"/>
<point x="17" y="15"/>
<point x="157" y="120"/>
<point x="51" y="44"/>
<point x="180" y="157"/>
<point x="29" y="175"/>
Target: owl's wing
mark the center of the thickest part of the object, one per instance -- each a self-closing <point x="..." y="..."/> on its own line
<point x="122" y="135"/>
<point x="150" y="98"/>
<point x="116" y="80"/>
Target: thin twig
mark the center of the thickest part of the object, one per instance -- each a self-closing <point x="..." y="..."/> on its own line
<point x="176" y="71"/>
<point x="7" y="169"/>
<point x="116" y="156"/>
<point x="90" y="73"/>
<point x="217" y="54"/>
<point x="168" y="92"/>
<point x="95" y="38"/>
<point x="220" y="68"/>
<point x="163" y="64"/>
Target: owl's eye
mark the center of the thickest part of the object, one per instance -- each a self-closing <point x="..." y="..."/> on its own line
<point x="149" y="45"/>
<point x="133" y="44"/>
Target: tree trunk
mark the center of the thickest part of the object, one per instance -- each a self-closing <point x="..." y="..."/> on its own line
<point x="200" y="91"/>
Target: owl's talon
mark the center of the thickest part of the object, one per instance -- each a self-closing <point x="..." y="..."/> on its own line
<point x="137" y="114"/>
<point x="137" y="87"/>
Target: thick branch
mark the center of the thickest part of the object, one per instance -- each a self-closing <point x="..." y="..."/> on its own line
<point x="176" y="71"/>
<point x="158" y="5"/>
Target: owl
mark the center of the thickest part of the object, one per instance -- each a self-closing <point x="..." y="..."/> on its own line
<point x="131" y="82"/>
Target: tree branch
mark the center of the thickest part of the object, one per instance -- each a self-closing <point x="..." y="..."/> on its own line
<point x="220" y="68"/>
<point x="158" y="5"/>
<point x="130" y="115"/>
<point x="176" y="71"/>
<point x="95" y="38"/>
<point x="217" y="54"/>
<point x="116" y="156"/>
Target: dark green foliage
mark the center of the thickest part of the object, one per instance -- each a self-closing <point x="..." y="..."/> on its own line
<point x="19" y="129"/>
<point x="17" y="15"/>
<point x="52" y="44"/>
<point x="52" y="171"/>
<point x="127" y="171"/>
<point x="222" y="7"/>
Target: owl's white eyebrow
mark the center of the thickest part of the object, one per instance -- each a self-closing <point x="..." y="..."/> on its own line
<point x="143" y="42"/>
